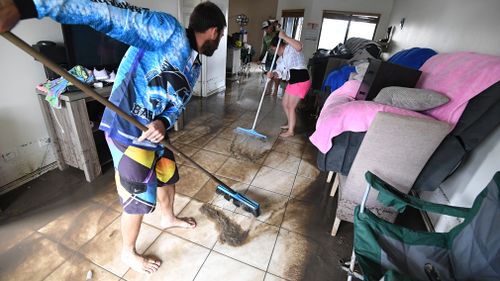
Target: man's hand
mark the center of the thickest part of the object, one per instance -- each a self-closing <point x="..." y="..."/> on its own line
<point x="9" y="15"/>
<point x="155" y="133"/>
<point x="270" y="75"/>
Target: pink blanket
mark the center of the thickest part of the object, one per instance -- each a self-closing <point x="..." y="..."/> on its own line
<point x="342" y="113"/>
<point x="460" y="76"/>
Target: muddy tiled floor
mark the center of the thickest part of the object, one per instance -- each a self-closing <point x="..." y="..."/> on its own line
<point x="59" y="227"/>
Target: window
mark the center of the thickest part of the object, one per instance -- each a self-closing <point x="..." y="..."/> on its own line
<point x="337" y="27"/>
<point x="292" y="21"/>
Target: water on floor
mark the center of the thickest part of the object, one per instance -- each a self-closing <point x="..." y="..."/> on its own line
<point x="59" y="227"/>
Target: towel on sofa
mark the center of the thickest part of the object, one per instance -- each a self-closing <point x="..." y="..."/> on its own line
<point x="412" y="58"/>
<point x="342" y="113"/>
<point x="460" y="76"/>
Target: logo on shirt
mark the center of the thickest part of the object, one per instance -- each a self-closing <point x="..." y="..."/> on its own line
<point x="172" y="76"/>
<point x="142" y="112"/>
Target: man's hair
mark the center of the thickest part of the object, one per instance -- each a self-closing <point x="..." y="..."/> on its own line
<point x="205" y="16"/>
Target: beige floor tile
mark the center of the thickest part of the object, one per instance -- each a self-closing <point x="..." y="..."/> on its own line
<point x="107" y="195"/>
<point x="272" y="205"/>
<point x="202" y="141"/>
<point x="283" y="162"/>
<point x="197" y="135"/>
<point x="239" y="170"/>
<point x="288" y="147"/>
<point x="251" y="148"/>
<point x="290" y="255"/>
<point x="116" y="205"/>
<point x="104" y="250"/>
<point x="242" y="123"/>
<point x="187" y="149"/>
<point x="77" y="267"/>
<point x="77" y="227"/>
<point x="310" y="152"/>
<point x="205" y="232"/>
<point x="228" y="134"/>
<point x="303" y="188"/>
<point x="198" y="121"/>
<point x="181" y="260"/>
<point x="209" y="160"/>
<point x="219" y="145"/>
<point x="207" y="192"/>
<point x="258" y="247"/>
<point x="220" y="267"/>
<point x="274" y="180"/>
<point x="270" y="277"/>
<point x="308" y="169"/>
<point x="13" y="233"/>
<point x="191" y="180"/>
<point x="32" y="259"/>
<point x="298" y="215"/>
<point x="208" y="195"/>
<point x="299" y="138"/>
<point x="153" y="219"/>
<point x="173" y="135"/>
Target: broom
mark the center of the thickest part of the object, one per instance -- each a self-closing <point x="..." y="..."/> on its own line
<point x="247" y="204"/>
<point x="252" y="132"/>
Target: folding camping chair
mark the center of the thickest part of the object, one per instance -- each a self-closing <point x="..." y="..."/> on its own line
<point x="469" y="251"/>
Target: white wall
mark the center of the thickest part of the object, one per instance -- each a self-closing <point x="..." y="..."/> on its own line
<point x="449" y="26"/>
<point x="213" y="70"/>
<point x="314" y="14"/>
<point x="21" y="122"/>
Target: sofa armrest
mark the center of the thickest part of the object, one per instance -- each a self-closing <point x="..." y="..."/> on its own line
<point x="395" y="148"/>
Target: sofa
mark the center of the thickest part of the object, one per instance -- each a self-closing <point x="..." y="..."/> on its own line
<point x="471" y="81"/>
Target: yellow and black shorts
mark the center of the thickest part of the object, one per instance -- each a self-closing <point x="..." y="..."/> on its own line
<point x="139" y="172"/>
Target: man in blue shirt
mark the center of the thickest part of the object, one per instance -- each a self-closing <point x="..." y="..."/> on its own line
<point x="153" y="84"/>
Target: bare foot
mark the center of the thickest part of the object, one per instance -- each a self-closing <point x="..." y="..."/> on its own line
<point x="178" y="222"/>
<point x="284" y="127"/>
<point x="286" y="134"/>
<point x="139" y="263"/>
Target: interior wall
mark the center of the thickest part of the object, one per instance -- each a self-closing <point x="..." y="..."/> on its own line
<point x="314" y="14"/>
<point x="21" y="121"/>
<point x="23" y="132"/>
<point x="257" y="11"/>
<point x="445" y="26"/>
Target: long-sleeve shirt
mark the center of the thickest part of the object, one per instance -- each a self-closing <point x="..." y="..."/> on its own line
<point x="158" y="72"/>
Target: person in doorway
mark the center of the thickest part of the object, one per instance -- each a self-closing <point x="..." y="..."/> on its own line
<point x="153" y="84"/>
<point x="291" y="67"/>
<point x="269" y="33"/>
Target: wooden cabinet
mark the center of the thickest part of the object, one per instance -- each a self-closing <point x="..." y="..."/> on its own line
<point x="74" y="131"/>
<point x="76" y="139"/>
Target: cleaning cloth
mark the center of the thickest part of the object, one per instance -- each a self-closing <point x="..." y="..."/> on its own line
<point x="54" y="88"/>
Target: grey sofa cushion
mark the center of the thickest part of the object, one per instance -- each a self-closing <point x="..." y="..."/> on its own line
<point x="410" y="98"/>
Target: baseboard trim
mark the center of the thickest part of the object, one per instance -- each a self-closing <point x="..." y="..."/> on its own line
<point x="27" y="178"/>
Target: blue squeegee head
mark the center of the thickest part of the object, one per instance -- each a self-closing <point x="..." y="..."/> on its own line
<point x="239" y="200"/>
<point x="251" y="133"/>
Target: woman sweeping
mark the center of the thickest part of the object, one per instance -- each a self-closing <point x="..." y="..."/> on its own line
<point x="291" y="66"/>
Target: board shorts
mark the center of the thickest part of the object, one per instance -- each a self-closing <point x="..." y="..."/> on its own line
<point x="138" y="173"/>
<point x="298" y="89"/>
